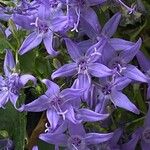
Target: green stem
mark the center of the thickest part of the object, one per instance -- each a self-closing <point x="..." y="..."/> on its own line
<point x="134" y="121"/>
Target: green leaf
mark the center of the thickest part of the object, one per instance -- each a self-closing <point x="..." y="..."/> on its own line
<point x="14" y="123"/>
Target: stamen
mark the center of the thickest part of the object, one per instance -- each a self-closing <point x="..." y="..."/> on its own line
<point x="78" y="20"/>
<point x="35" y="23"/>
<point x="131" y="10"/>
<point x="96" y="52"/>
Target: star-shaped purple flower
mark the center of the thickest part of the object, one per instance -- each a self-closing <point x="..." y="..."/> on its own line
<point x="84" y="65"/>
<point x="12" y="82"/>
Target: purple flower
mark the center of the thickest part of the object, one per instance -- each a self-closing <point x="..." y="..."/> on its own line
<point x="98" y="34"/>
<point x="35" y="148"/>
<point x="75" y="138"/>
<point x="79" y="9"/>
<point x="120" y="63"/>
<point x="95" y="32"/>
<point x="23" y="7"/>
<point x="6" y="144"/>
<point x="59" y="104"/>
<point x="142" y="134"/>
<point x="44" y="24"/>
<point x="111" y="91"/>
<point x="84" y="65"/>
<point x="12" y="82"/>
<point x="111" y="144"/>
<point x="144" y="63"/>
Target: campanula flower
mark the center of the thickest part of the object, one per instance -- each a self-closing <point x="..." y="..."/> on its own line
<point x="76" y="138"/>
<point x="142" y="134"/>
<point x="59" y="104"/>
<point x="43" y="26"/>
<point x="144" y="63"/>
<point x="12" y="82"/>
<point x="84" y="65"/>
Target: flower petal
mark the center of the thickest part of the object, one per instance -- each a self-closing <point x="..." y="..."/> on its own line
<point x="24" y="21"/>
<point x="95" y="2"/>
<point x="121" y="100"/>
<point x="52" y="88"/>
<point x="128" y="54"/>
<point x="9" y="63"/>
<point x="56" y="139"/>
<point x="25" y="78"/>
<point x="135" y="74"/>
<point x="99" y="70"/>
<point x="111" y="26"/>
<point x="73" y="50"/>
<point x="76" y="129"/>
<point x="13" y="98"/>
<point x="120" y="44"/>
<point x="40" y="104"/>
<point x="90" y="23"/>
<point x="96" y="138"/>
<point x="4" y="97"/>
<point x="65" y="71"/>
<point x="143" y="61"/>
<point x="90" y="116"/>
<point x="32" y="41"/>
<point x="48" y="40"/>
<point x="52" y="117"/>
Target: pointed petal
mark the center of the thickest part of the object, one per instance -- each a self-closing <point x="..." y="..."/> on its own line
<point x="70" y="115"/>
<point x="121" y="100"/>
<point x="120" y="44"/>
<point x="83" y="81"/>
<point x="24" y="21"/>
<point x="90" y="116"/>
<point x="135" y="74"/>
<point x="111" y="26"/>
<point x="71" y="94"/>
<point x="40" y="104"/>
<point x="84" y="45"/>
<point x="32" y="41"/>
<point x="59" y="23"/>
<point x="52" y="88"/>
<point x="143" y="61"/>
<point x="52" y="117"/>
<point x="61" y="128"/>
<point x="121" y="83"/>
<point x="108" y="53"/>
<point x="147" y="119"/>
<point x="4" y="97"/>
<point x="96" y="138"/>
<point x="35" y="148"/>
<point x="13" y="98"/>
<point x="90" y="19"/>
<point x="73" y="50"/>
<point x="99" y="70"/>
<point x="65" y="71"/>
<point x="144" y="145"/>
<point x="128" y="54"/>
<point x="9" y="63"/>
<point x="48" y="40"/>
<point x="131" y="145"/>
<point x="148" y="92"/>
<point x="25" y="78"/>
<point x="76" y="129"/>
<point x="56" y="139"/>
<point x="95" y="2"/>
<point x="88" y="29"/>
<point x="117" y="134"/>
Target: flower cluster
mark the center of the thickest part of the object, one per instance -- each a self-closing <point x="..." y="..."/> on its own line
<point x="100" y="68"/>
